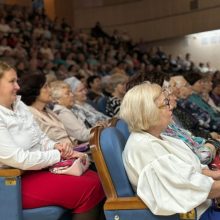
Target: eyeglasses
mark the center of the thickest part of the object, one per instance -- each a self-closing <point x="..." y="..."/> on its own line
<point x="166" y="102"/>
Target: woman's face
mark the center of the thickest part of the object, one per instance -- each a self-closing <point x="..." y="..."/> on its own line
<point x="8" y="88"/>
<point x="185" y="90"/>
<point x="45" y="94"/>
<point x="66" y="98"/>
<point x="182" y="86"/>
<point x="121" y="88"/>
<point x="198" y="86"/>
<point x="164" y="105"/>
<point x="80" y="93"/>
<point x="207" y="86"/>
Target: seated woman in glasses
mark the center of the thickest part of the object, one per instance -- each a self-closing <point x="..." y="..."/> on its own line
<point x="166" y="174"/>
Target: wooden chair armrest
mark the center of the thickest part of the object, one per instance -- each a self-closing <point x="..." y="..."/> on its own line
<point x="7" y="172"/>
<point x="124" y="203"/>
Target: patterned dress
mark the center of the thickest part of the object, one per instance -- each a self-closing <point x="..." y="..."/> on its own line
<point x="196" y="144"/>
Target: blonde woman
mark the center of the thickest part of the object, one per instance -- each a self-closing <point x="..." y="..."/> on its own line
<point x="164" y="172"/>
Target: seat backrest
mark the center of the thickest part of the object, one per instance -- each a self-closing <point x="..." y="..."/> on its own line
<point x="122" y="126"/>
<point x="101" y="104"/>
<point x="112" y="143"/>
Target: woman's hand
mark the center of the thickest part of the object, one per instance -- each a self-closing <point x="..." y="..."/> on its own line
<point x="66" y="150"/>
<point x="83" y="157"/>
<point x="215" y="135"/>
<point x="215" y="174"/>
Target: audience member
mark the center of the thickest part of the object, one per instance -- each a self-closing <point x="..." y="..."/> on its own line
<point x="35" y="93"/>
<point x="63" y="101"/>
<point x="89" y="115"/>
<point x="117" y="83"/>
<point x="151" y="157"/>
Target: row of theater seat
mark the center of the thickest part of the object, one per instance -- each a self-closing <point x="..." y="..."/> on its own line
<point x="122" y="203"/>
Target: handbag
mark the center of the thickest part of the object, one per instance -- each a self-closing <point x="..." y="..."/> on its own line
<point x="75" y="166"/>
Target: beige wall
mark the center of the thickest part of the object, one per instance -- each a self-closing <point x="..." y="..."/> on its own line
<point x="204" y="47"/>
<point x="152" y="19"/>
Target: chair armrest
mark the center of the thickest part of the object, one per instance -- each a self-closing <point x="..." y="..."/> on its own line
<point x="7" y="172"/>
<point x="10" y="194"/>
<point x="124" y="203"/>
<point x="134" y="203"/>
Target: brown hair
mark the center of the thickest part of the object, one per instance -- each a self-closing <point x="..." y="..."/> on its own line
<point x="4" y="67"/>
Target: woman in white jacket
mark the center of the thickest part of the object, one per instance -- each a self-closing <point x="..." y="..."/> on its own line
<point x="163" y="171"/>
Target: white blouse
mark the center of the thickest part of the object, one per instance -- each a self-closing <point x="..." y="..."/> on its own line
<point x="23" y="145"/>
<point x="166" y="174"/>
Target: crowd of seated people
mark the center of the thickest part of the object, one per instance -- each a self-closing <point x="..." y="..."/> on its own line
<point x="25" y="146"/>
<point x="183" y="126"/>
<point x="62" y="72"/>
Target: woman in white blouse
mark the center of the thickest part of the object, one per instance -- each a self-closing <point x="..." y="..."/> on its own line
<point x="163" y="171"/>
<point x="25" y="146"/>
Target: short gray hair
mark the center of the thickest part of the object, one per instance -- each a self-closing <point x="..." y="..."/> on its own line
<point x="117" y="79"/>
<point x="138" y="107"/>
<point x="57" y="88"/>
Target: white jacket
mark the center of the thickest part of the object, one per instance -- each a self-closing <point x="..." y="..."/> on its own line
<point x="22" y="144"/>
<point x="166" y="174"/>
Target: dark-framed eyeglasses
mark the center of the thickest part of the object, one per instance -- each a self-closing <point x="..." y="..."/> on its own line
<point x="166" y="103"/>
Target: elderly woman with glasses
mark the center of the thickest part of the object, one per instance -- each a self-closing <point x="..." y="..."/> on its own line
<point x="164" y="172"/>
